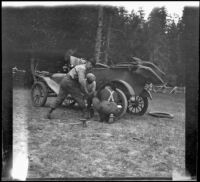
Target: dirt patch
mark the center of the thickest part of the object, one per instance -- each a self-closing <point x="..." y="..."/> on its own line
<point x="134" y="146"/>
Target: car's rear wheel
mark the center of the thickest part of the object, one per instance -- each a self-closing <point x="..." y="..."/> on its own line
<point x="118" y="97"/>
<point x="122" y="102"/>
<point x="39" y="94"/>
<point x="138" y="105"/>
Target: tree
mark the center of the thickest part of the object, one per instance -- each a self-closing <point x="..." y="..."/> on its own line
<point x="99" y="35"/>
<point x="137" y="35"/>
<point x="180" y="68"/>
<point x="172" y="37"/>
<point x="108" y="40"/>
<point x="157" y="42"/>
<point x="110" y="34"/>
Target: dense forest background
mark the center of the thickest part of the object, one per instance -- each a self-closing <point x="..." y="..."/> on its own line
<point x="52" y="31"/>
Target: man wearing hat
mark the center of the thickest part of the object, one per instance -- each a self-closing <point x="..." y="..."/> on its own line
<point x="71" y="61"/>
<point x="73" y="83"/>
<point x="91" y="88"/>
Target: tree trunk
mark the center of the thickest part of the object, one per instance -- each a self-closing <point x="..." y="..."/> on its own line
<point x="99" y="35"/>
<point x="108" y="40"/>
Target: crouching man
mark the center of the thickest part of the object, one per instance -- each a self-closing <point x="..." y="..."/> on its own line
<point x="73" y="83"/>
<point x="106" y="105"/>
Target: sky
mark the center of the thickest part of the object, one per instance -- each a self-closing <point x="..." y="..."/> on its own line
<point x="173" y="7"/>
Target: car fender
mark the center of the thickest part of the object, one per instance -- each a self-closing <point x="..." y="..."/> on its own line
<point x="146" y="93"/>
<point x="125" y="84"/>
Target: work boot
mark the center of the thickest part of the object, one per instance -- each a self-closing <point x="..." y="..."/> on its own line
<point x="91" y="113"/>
<point x="49" y="113"/>
<point x="111" y="119"/>
<point x="85" y="114"/>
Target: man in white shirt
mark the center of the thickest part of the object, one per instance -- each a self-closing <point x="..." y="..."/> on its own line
<point x="73" y="83"/>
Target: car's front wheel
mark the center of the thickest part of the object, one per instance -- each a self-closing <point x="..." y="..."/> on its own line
<point x="138" y="105"/>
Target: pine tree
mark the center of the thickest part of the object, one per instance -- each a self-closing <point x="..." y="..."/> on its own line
<point x="158" y="43"/>
<point x="99" y="35"/>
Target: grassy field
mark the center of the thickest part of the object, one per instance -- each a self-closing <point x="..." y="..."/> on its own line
<point x="134" y="146"/>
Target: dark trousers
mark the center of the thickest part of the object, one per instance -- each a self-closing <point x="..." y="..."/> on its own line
<point x="89" y="105"/>
<point x="69" y="86"/>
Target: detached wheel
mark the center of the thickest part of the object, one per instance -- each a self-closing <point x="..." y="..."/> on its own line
<point x="39" y="94"/>
<point x="122" y="102"/>
<point x="161" y="115"/>
<point x="138" y="105"/>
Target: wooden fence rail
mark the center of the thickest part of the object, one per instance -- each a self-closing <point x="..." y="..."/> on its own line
<point x="169" y="90"/>
<point x="18" y="77"/>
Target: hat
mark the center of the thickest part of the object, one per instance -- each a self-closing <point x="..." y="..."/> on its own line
<point x="69" y="52"/>
<point x="90" y="77"/>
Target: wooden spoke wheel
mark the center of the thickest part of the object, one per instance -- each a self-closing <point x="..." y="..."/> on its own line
<point x="138" y="105"/>
<point x="39" y="94"/>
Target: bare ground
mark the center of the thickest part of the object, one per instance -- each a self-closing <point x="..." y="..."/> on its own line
<point x="134" y="146"/>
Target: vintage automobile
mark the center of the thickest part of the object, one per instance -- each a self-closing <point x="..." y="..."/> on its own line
<point x="134" y="78"/>
<point x="47" y="85"/>
<point x="133" y="81"/>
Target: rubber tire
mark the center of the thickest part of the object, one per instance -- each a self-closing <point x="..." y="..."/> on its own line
<point x="44" y="88"/>
<point x="161" y="115"/>
<point x="124" y="102"/>
<point x="144" y="109"/>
